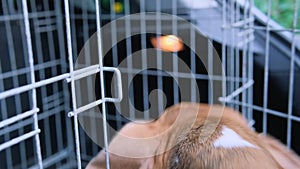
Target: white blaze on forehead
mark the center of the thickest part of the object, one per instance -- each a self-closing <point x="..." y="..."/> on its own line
<point x="230" y="139"/>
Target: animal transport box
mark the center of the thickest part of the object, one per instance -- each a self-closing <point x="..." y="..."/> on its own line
<point x="73" y="72"/>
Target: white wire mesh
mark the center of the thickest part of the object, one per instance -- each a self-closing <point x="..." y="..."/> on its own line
<point x="39" y="89"/>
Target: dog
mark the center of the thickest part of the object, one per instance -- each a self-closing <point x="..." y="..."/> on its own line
<point x="194" y="136"/>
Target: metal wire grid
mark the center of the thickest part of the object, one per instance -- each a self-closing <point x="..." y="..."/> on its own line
<point x="55" y="105"/>
<point x="270" y="28"/>
<point x="34" y="100"/>
<point x="248" y="27"/>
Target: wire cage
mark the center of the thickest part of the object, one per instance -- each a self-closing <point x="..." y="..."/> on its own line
<point x="52" y="92"/>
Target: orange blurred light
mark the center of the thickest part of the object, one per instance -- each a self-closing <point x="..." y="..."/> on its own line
<point x="168" y="43"/>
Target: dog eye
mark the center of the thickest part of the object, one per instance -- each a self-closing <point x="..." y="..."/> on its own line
<point x="176" y="160"/>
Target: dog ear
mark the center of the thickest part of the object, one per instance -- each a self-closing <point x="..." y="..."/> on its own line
<point x="97" y="162"/>
<point x="147" y="163"/>
<point x="116" y="161"/>
<point x="286" y="158"/>
<point x="122" y="150"/>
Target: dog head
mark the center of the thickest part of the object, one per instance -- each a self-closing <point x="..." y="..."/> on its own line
<point x="188" y="136"/>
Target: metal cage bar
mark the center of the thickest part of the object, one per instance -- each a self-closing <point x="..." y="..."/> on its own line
<point x="51" y="49"/>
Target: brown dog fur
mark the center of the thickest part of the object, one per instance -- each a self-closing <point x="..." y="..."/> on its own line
<point x="182" y="138"/>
